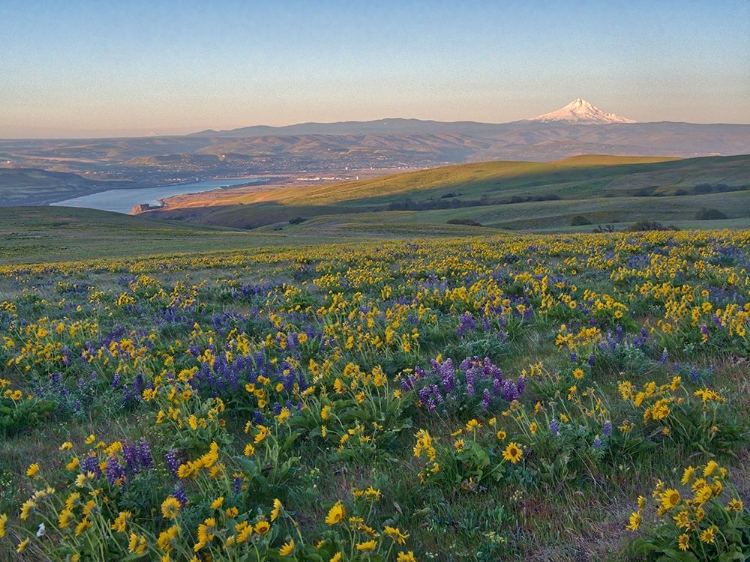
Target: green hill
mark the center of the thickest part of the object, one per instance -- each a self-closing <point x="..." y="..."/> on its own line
<point x="45" y="234"/>
<point x="547" y="194"/>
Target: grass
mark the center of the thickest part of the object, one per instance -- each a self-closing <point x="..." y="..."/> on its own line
<point x="608" y="188"/>
<point x="504" y="297"/>
<point x="35" y="234"/>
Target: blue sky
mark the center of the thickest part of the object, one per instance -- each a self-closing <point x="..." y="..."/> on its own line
<point x="88" y="68"/>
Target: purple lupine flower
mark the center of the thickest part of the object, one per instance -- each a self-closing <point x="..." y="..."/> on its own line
<point x="597" y="442"/>
<point x="663" y="357"/>
<point x="407" y="383"/>
<point x="607" y="428"/>
<point x="91" y="464"/>
<point x="592" y="359"/>
<point x="497" y="387"/>
<point x="521" y="385"/>
<point x="424" y="394"/>
<point x="470" y="380"/>
<point x="694" y="375"/>
<point x="554" y="427"/>
<point x="466" y="323"/>
<point x="114" y="471"/>
<point x="510" y="392"/>
<point x="486" y="398"/>
<point x="144" y="454"/>
<point x="132" y="461"/>
<point x="447" y="375"/>
<point x="258" y="417"/>
<point x="237" y="485"/>
<point x="436" y="392"/>
<point x="704" y="330"/>
<point x="180" y="495"/>
<point x="173" y="462"/>
<point x="116" y="381"/>
<point x="573" y="357"/>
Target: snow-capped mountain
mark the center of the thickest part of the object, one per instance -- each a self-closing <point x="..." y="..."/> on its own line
<point x="581" y="111"/>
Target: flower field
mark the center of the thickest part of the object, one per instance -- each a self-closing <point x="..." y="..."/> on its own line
<point x="567" y="397"/>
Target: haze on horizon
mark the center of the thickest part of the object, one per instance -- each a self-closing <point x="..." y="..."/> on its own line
<point x="84" y="69"/>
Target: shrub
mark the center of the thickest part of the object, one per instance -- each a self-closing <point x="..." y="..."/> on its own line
<point x="644" y="225"/>
<point x="468" y="222"/>
<point x="579" y="220"/>
<point x="710" y="215"/>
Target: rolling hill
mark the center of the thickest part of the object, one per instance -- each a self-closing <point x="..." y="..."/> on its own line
<point x="610" y="189"/>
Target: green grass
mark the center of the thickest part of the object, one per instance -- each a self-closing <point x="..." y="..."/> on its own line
<point x="573" y="513"/>
<point x="515" y="195"/>
<point x="30" y="234"/>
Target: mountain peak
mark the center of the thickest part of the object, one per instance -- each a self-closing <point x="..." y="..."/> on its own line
<point x="581" y="111"/>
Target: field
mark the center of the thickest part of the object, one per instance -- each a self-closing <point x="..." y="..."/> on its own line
<point x="180" y="394"/>
<point x="521" y="196"/>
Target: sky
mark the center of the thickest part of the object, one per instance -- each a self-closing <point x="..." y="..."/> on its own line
<point x="93" y="69"/>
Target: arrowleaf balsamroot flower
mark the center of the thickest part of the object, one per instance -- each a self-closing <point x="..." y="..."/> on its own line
<point x="513" y="453"/>
<point x="287" y="548"/>
<point x="170" y="507"/>
<point x="276" y="509"/>
<point x="367" y="546"/>
<point x="709" y="535"/>
<point x="635" y="521"/>
<point x="669" y="499"/>
<point x="262" y="527"/>
<point x="396" y="534"/>
<point x="336" y="514"/>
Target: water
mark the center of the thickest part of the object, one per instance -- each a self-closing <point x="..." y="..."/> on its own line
<point x="123" y="200"/>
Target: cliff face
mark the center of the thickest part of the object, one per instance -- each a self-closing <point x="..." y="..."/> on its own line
<point x="143" y="207"/>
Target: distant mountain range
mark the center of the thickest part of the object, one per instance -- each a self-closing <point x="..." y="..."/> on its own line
<point x="576" y="129"/>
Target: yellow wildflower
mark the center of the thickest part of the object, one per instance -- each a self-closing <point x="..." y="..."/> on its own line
<point x="170" y="507"/>
<point x="395" y="534"/>
<point x="262" y="527"/>
<point x="336" y="514"/>
<point x="512" y="453"/>
<point x="287" y="548"/>
<point x="709" y="535"/>
<point x="634" y="521"/>
<point x="367" y="546"/>
<point x="276" y="509"/>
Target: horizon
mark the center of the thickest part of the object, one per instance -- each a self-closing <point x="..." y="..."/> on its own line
<point x="151" y="134"/>
<point x="87" y="71"/>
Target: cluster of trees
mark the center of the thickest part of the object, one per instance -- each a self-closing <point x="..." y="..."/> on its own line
<point x="450" y="201"/>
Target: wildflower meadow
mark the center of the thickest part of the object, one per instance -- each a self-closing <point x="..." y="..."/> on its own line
<point x="557" y="397"/>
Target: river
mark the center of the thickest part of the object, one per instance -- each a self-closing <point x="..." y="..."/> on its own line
<point x="123" y="200"/>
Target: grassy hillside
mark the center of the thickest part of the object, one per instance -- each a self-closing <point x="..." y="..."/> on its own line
<point x="30" y="186"/>
<point x="29" y="234"/>
<point x="525" y="195"/>
<point x="568" y="398"/>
